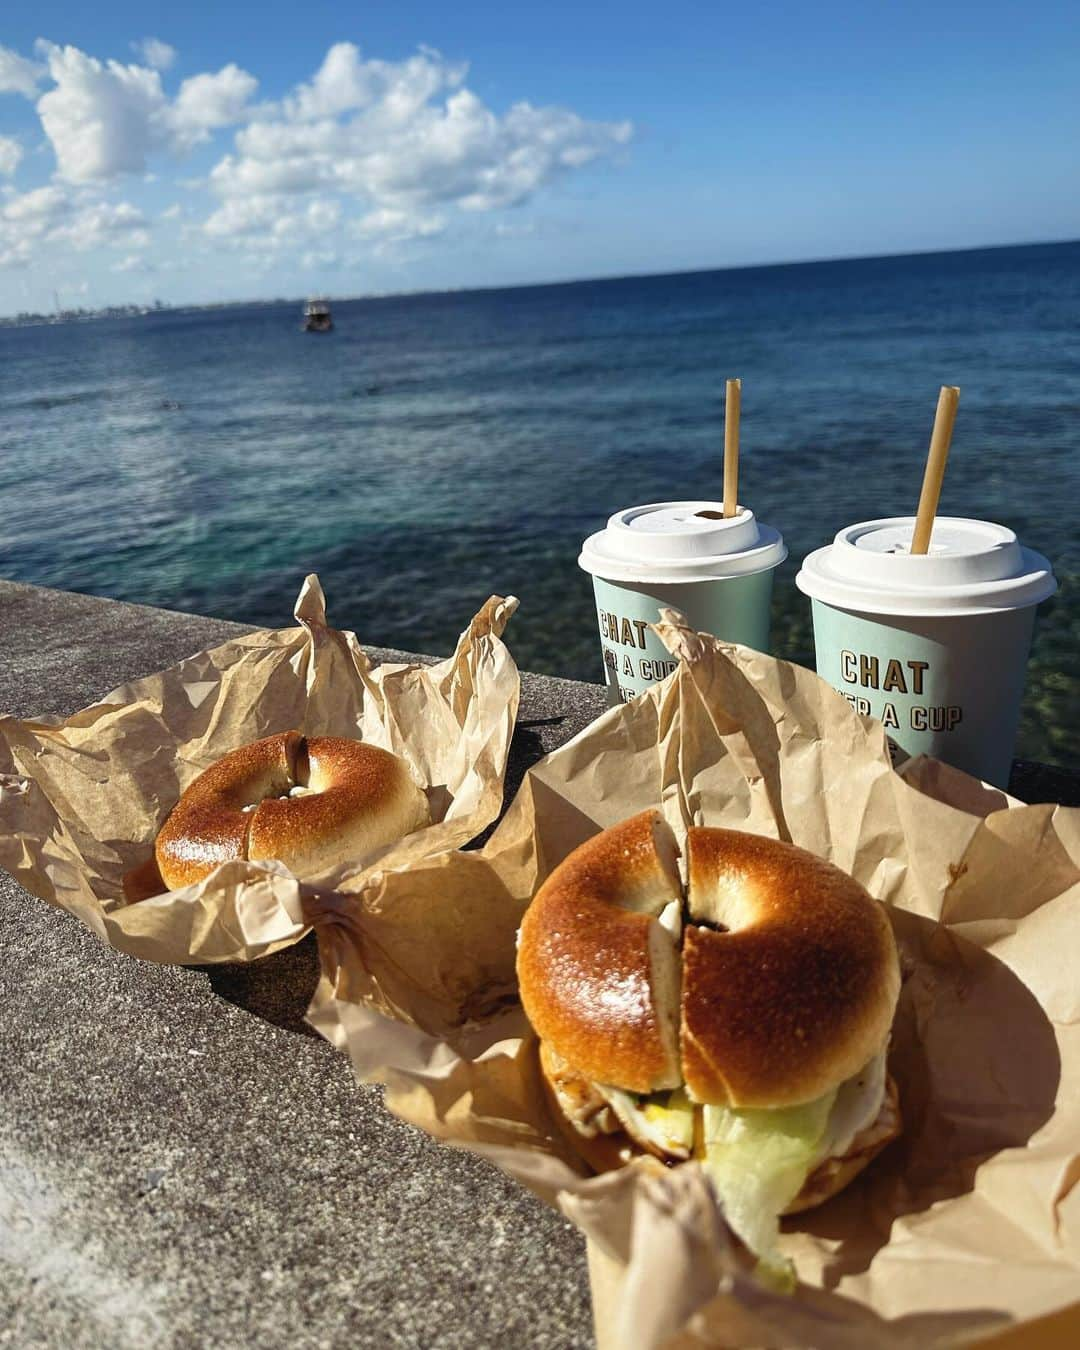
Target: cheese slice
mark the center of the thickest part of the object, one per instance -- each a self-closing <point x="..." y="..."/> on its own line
<point x="664" y="1120"/>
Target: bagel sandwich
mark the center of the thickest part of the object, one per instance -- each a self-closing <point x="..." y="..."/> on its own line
<point x="743" y="1023"/>
<point x="312" y="802"/>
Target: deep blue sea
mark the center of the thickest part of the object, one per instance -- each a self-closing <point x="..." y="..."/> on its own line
<point x="437" y="448"/>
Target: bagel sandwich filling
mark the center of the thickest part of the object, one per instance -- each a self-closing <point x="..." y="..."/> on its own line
<point x="742" y="1026"/>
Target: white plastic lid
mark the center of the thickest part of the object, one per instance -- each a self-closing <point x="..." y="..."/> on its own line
<point x="973" y="567"/>
<point x="671" y="542"/>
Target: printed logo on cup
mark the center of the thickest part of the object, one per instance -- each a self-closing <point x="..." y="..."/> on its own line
<point x="629" y="648"/>
<point x="681" y="555"/>
<point x="935" y="645"/>
<point x="900" y="678"/>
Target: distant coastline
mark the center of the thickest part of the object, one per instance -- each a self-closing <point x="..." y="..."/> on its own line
<point x="27" y="319"/>
<point x="32" y="319"/>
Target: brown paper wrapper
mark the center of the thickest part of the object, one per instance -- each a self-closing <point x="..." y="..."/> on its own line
<point x="967" y="1224"/>
<point x="82" y="799"/>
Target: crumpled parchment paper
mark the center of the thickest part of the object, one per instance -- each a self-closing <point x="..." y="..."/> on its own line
<point x="82" y="799"/>
<point x="969" y="1222"/>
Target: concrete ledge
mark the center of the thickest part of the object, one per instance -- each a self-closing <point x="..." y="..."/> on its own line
<point x="183" y="1162"/>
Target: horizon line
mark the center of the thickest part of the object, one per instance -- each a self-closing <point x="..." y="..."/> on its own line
<point x="602" y="278"/>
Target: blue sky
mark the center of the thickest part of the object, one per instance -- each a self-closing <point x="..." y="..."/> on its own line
<point x="277" y="149"/>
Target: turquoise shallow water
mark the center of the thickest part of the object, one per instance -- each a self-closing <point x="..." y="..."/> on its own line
<point x="437" y="448"/>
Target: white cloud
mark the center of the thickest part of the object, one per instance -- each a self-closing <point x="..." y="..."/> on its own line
<point x="274" y="219"/>
<point x="25" y="218"/>
<point x="380" y="151"/>
<point x="260" y="262"/>
<point x="405" y="139"/>
<point x="243" y="216"/>
<point x="154" y="53"/>
<point x="17" y="74"/>
<point x="392" y="225"/>
<point x="323" y="214"/>
<point x="316" y="258"/>
<point x="11" y="152"/>
<point x="118" y="225"/>
<point x="56" y="215"/>
<point x="272" y="171"/>
<point x="36" y="212"/>
<point x="104" y="118"/>
<point x="345" y="82"/>
<point x="206" y="102"/>
<point x="17" y="253"/>
<point x="134" y="262"/>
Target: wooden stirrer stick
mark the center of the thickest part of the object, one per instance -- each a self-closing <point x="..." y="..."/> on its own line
<point x="948" y="400"/>
<point x="732" y="405"/>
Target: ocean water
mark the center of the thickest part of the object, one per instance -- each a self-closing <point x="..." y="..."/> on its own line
<point x="437" y="448"/>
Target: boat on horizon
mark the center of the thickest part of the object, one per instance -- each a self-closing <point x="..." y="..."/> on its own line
<point x="317" y="317"/>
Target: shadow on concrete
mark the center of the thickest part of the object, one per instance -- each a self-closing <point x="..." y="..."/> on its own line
<point x="278" y="988"/>
<point x="526" y="748"/>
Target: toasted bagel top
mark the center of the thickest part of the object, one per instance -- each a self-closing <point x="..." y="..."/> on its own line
<point x="598" y="972"/>
<point x="786" y="985"/>
<point x="799" y="992"/>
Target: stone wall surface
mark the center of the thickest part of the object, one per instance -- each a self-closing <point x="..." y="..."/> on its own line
<point x="183" y="1162"/>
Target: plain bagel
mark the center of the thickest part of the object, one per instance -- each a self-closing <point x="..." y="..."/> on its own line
<point x="310" y="802"/>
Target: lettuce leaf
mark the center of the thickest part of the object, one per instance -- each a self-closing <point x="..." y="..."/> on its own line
<point x="758" y="1161"/>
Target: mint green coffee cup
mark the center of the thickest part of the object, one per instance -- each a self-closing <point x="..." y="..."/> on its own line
<point x="935" y="646"/>
<point x="684" y="556"/>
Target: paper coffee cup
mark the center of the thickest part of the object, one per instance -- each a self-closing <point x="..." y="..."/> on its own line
<point x="684" y="556"/>
<point x="934" y="645"/>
